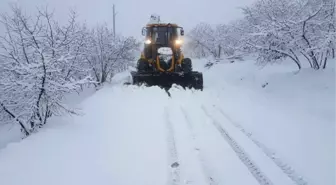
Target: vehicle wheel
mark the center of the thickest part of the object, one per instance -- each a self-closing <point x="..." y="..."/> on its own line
<point x="143" y="65"/>
<point x="186" y="65"/>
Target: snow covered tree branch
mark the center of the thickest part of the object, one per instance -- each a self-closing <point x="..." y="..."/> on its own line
<point x="42" y="61"/>
<point x="29" y="58"/>
<point x="106" y="54"/>
<point x="274" y="30"/>
<point x="203" y="41"/>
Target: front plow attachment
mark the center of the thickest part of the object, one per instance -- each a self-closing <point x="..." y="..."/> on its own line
<point x="166" y="80"/>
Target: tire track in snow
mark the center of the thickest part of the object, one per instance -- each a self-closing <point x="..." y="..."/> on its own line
<point x="174" y="174"/>
<point x="205" y="168"/>
<point x="243" y="156"/>
<point x="287" y="169"/>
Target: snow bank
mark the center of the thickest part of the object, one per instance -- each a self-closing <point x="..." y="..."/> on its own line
<point x="121" y="78"/>
<point x="112" y="143"/>
<point x="292" y="114"/>
<point x="11" y="133"/>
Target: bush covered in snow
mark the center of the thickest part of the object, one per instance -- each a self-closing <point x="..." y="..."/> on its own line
<point x="41" y="61"/>
<point x="273" y="30"/>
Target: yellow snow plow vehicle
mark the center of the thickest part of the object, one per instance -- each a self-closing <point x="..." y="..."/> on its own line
<point x="162" y="62"/>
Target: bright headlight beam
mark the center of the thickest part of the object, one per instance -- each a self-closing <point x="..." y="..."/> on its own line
<point x="148" y="41"/>
<point x="178" y="41"/>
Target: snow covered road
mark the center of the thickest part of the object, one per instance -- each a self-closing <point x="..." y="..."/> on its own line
<point x="134" y="135"/>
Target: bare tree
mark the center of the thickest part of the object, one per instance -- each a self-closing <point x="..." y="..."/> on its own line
<point x="203" y="41"/>
<point x="106" y="54"/>
<point x="35" y="70"/>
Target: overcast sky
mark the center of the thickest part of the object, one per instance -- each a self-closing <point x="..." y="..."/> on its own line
<point x="134" y="14"/>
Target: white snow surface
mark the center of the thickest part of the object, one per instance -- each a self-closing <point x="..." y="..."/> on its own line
<point x="165" y="51"/>
<point x="233" y="132"/>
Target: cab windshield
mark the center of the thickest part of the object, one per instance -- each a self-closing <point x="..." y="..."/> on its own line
<point x="162" y="35"/>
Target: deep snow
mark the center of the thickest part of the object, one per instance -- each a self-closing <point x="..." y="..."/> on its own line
<point x="11" y="133"/>
<point x="234" y="132"/>
<point x="293" y="116"/>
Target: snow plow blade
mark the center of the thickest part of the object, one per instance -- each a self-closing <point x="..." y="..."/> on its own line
<point x="166" y="80"/>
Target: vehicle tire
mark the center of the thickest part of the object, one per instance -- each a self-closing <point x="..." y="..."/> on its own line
<point x="186" y="65"/>
<point x="143" y="65"/>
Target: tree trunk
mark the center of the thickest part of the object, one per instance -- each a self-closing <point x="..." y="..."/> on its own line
<point x="298" y="64"/>
<point x="325" y="60"/>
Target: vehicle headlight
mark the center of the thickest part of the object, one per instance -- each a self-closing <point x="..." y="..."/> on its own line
<point x="148" y="41"/>
<point x="178" y="41"/>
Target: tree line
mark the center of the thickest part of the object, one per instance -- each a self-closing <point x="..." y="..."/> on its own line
<point x="272" y="30"/>
<point x="42" y="60"/>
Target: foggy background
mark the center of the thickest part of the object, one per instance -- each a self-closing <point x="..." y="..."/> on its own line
<point x="132" y="15"/>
